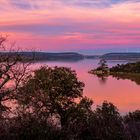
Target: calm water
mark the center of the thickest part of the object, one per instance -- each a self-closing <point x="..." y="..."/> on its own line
<point x="125" y="94"/>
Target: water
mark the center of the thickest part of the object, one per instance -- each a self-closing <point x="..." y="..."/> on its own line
<point x="123" y="93"/>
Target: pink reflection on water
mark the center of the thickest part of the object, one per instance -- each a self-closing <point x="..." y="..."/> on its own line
<point x="125" y="94"/>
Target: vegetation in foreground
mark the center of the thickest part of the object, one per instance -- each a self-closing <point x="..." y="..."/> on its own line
<point x="51" y="106"/>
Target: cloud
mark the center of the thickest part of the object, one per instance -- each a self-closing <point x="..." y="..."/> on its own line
<point x="51" y="4"/>
<point x="72" y="22"/>
<point x="21" y="4"/>
<point x="73" y="3"/>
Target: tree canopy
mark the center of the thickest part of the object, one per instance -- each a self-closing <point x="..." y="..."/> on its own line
<point x="53" y="91"/>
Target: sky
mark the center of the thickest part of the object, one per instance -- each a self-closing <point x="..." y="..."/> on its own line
<point x="72" y="25"/>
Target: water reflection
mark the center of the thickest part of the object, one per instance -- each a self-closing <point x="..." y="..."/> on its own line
<point x="102" y="79"/>
<point x="132" y="77"/>
<point x="123" y="93"/>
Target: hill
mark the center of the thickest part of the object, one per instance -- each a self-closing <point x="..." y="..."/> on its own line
<point x="121" y="56"/>
<point x="45" y="56"/>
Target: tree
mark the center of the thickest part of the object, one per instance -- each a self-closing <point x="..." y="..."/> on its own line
<point x="77" y="126"/>
<point x="13" y="70"/>
<point x="52" y="92"/>
<point x="28" y="126"/>
<point x="132" y="125"/>
<point x="106" y="123"/>
<point x="103" y="65"/>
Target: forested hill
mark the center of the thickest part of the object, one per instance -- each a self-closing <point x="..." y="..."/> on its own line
<point x="72" y="56"/>
<point x="45" y="56"/>
<point x="121" y="56"/>
<point x="56" y="56"/>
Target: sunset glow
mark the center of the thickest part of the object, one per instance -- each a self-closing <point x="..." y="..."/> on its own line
<point x="71" y="25"/>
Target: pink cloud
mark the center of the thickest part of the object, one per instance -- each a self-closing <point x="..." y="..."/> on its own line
<point x="55" y="25"/>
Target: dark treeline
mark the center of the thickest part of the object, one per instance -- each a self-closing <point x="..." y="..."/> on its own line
<point x="130" y="71"/>
<point x="127" y="68"/>
<point x="134" y="56"/>
<point x="50" y="105"/>
<point x="44" y="56"/>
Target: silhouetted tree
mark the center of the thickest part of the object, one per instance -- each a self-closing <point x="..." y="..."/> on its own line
<point x="132" y="68"/>
<point x="77" y="126"/>
<point x="132" y="125"/>
<point x="103" y="65"/>
<point x="106" y="123"/>
<point x="52" y="105"/>
<point x="12" y="72"/>
<point x="30" y="126"/>
<point x="52" y="91"/>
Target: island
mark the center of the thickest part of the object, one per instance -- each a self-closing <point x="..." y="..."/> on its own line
<point x="129" y="71"/>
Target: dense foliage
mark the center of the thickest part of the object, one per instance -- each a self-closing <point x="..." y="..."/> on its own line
<point x="52" y="91"/>
<point x="129" y="71"/>
<point x="127" y="68"/>
<point x="52" y="107"/>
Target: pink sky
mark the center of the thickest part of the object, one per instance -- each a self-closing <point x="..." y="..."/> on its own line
<point x="71" y="25"/>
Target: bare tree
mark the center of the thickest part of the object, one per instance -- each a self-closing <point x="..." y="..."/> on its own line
<point x="13" y="70"/>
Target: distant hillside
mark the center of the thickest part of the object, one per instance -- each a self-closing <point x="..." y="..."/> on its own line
<point x="48" y="56"/>
<point x="121" y="56"/>
<point x="44" y="56"/>
<point x="92" y="56"/>
<point x="58" y="56"/>
<point x="72" y="56"/>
